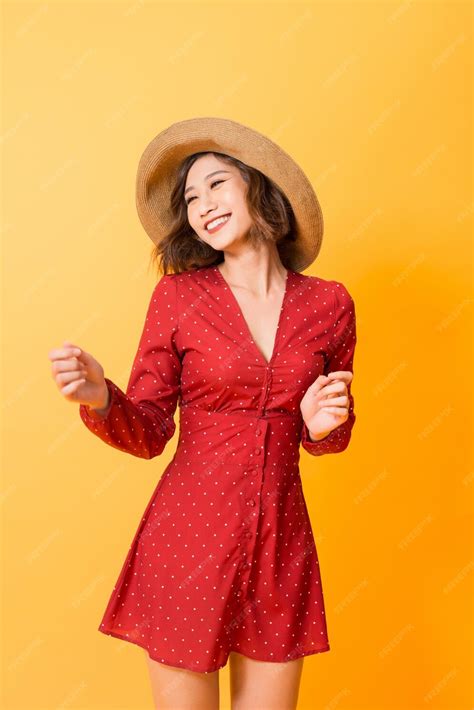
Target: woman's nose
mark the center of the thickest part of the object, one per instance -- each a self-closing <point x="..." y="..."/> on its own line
<point x="206" y="207"/>
<point x="207" y="203"/>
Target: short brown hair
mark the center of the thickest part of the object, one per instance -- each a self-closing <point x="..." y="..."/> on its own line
<point x="271" y="212"/>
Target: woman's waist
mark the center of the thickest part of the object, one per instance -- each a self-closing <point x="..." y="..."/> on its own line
<point x="190" y="411"/>
<point x="239" y="436"/>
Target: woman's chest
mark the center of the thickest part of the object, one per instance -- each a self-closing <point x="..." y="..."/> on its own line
<point x="226" y="347"/>
<point x="260" y="320"/>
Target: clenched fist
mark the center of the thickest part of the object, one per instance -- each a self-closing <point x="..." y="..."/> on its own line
<point x="79" y="377"/>
<point x="325" y="404"/>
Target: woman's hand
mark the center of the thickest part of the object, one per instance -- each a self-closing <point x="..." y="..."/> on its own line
<point x="79" y="377"/>
<point x="325" y="404"/>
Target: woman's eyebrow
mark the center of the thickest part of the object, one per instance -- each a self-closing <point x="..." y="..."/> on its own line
<point x="207" y="176"/>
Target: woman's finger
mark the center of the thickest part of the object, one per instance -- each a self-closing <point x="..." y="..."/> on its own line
<point x="335" y="401"/>
<point x="71" y="387"/>
<point x="336" y="411"/>
<point x="318" y="384"/>
<point x="63" y="353"/>
<point x="345" y="375"/>
<point x="67" y="365"/>
<point x="64" y="378"/>
<point x="333" y="389"/>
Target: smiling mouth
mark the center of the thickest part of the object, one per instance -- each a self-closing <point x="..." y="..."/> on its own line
<point x="220" y="223"/>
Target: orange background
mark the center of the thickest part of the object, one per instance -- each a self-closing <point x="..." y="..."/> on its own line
<point x="374" y="100"/>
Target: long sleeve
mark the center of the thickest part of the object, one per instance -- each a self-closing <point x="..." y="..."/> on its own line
<point x="140" y="421"/>
<point x="340" y="356"/>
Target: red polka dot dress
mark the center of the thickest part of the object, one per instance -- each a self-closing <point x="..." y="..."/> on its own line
<point x="224" y="557"/>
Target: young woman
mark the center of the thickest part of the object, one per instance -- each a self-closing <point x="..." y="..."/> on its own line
<point x="259" y="358"/>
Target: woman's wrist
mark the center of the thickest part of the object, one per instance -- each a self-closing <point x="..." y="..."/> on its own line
<point x="104" y="403"/>
<point x="318" y="437"/>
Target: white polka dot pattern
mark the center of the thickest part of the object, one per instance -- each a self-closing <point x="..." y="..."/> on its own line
<point x="224" y="556"/>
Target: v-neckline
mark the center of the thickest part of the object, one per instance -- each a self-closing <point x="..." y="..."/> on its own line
<point x="246" y="325"/>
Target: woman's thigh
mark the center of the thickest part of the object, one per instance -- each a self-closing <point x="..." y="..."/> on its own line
<point x="258" y="685"/>
<point x="180" y="689"/>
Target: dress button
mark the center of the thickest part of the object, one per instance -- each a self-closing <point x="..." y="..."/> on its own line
<point x="258" y="432"/>
<point x="253" y="471"/>
<point x="248" y="534"/>
<point x="257" y="451"/>
<point x="251" y="502"/>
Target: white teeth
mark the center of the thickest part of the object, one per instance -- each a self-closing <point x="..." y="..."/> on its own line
<point x="217" y="221"/>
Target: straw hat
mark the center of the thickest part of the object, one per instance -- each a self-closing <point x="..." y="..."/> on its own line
<point x="158" y="165"/>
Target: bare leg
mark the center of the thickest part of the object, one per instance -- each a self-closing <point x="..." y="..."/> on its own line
<point x="258" y="685"/>
<point x="180" y="689"/>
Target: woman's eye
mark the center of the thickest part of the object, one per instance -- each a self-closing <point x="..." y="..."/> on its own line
<point x="212" y="183"/>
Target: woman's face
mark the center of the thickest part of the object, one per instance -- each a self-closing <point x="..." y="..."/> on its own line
<point x="214" y="189"/>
